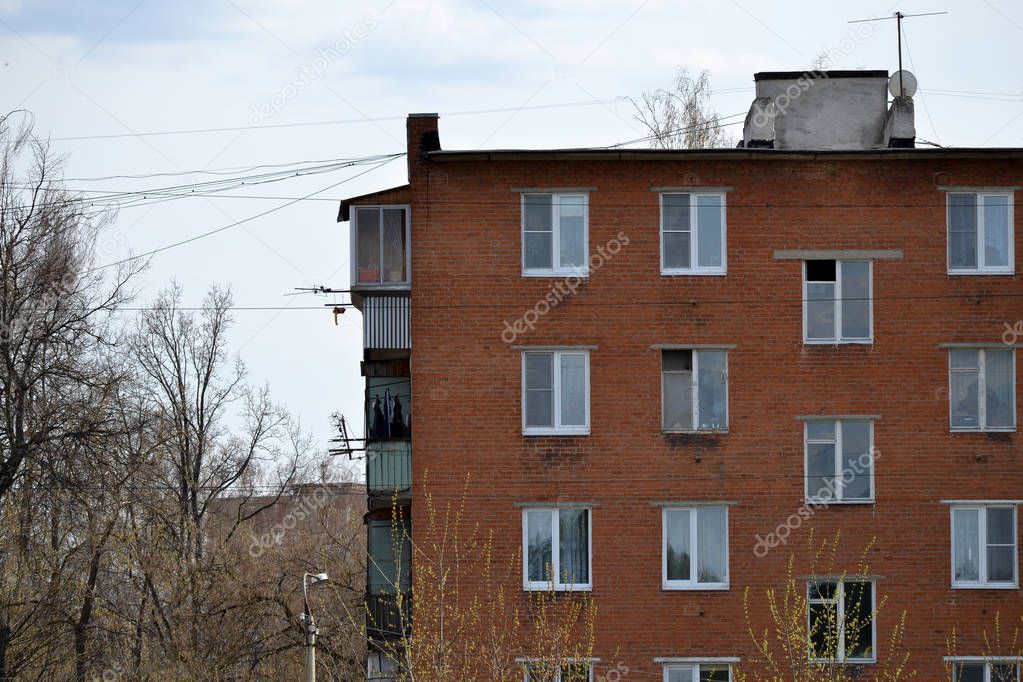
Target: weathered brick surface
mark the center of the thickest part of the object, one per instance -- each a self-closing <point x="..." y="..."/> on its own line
<point x="466" y="384"/>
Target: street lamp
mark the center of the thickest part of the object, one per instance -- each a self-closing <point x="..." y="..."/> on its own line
<point x="310" y="627"/>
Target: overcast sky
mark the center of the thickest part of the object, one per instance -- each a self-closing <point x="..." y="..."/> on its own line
<point x="559" y="71"/>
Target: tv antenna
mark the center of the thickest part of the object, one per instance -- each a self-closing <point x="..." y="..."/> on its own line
<point x="904" y="77"/>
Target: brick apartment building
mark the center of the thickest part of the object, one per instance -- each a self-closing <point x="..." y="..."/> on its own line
<point x="660" y="369"/>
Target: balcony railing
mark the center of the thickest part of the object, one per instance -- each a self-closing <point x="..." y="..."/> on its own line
<point x="386" y="323"/>
<point x="385" y="619"/>
<point x="388" y="467"/>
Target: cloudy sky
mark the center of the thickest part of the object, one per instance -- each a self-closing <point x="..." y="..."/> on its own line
<point x="298" y="82"/>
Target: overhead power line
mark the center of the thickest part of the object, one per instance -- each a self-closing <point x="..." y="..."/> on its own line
<point x="378" y="119"/>
<point x="170" y="192"/>
<point x="238" y="222"/>
<point x="580" y="300"/>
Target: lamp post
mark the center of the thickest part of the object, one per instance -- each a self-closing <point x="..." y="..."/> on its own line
<point x="310" y="627"/>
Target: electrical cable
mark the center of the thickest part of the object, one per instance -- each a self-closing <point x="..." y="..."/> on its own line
<point x="237" y="222"/>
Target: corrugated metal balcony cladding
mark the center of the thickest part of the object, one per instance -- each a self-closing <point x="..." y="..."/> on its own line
<point x="387" y="322"/>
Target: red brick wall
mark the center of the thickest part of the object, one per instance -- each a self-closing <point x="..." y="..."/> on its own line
<point x="467" y="392"/>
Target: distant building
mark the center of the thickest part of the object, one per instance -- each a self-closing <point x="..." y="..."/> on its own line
<point x="660" y="368"/>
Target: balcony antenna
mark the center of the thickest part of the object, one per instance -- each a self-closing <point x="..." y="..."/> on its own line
<point x="905" y="81"/>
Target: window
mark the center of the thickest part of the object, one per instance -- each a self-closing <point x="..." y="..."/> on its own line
<point x="556" y="393"/>
<point x="694" y="390"/>
<point x="381" y="237"/>
<point x="694" y="548"/>
<point x="698" y="672"/>
<point x="985" y="671"/>
<point x="693" y="234"/>
<point x="980" y="233"/>
<point x="841" y="620"/>
<point x="839" y="460"/>
<point x="982" y="389"/>
<point x="556" y="549"/>
<point x="554" y="234"/>
<point x="571" y="671"/>
<point x="984" y="546"/>
<point x="837" y="302"/>
<point x="389" y="573"/>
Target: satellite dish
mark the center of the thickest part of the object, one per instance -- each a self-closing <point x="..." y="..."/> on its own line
<point x="902" y="83"/>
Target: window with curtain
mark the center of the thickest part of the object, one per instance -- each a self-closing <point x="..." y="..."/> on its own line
<point x="694" y="390"/>
<point x="982" y="389"/>
<point x="697" y="672"/>
<point x="556" y="548"/>
<point x="839" y="460"/>
<point x="695" y="548"/>
<point x="554" y="234"/>
<point x="984" y="546"/>
<point x="980" y="233"/>
<point x="555" y="392"/>
<point x="692" y="234"/>
<point x="381" y="236"/>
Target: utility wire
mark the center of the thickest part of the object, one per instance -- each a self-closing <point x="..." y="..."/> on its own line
<point x="379" y="119"/>
<point x="238" y="222"/>
<point x="232" y="170"/>
<point x="580" y="300"/>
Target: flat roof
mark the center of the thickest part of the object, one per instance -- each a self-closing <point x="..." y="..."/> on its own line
<point x="729" y="153"/>
<point x="813" y="73"/>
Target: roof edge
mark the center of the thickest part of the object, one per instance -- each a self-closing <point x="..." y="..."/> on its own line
<point x="814" y="73"/>
<point x="738" y="153"/>
<point x="343" y="211"/>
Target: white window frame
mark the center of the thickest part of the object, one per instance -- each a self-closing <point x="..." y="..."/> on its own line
<point x="982" y="392"/>
<point x="839" y="340"/>
<point x="694" y="267"/>
<point x="557" y="429"/>
<point x="556" y="584"/>
<point x="354" y="243"/>
<point x="589" y="663"/>
<point x="986" y="661"/>
<point x="693" y="583"/>
<point x="982" y="582"/>
<point x="981" y="268"/>
<point x="556" y="269"/>
<point x="840" y="657"/>
<point x="839" y="459"/>
<point x="695" y="666"/>
<point x="695" y="391"/>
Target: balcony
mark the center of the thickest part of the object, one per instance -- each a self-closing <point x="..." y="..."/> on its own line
<point x="386" y="321"/>
<point x="384" y="617"/>
<point x="388" y="409"/>
<point x="380" y="247"/>
<point x="388" y="472"/>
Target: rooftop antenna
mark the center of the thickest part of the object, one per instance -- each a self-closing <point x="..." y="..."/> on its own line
<point x="905" y="78"/>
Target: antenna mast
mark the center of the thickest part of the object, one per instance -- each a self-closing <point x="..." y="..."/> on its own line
<point x="899" y="16"/>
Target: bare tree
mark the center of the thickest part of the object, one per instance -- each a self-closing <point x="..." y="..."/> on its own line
<point x="55" y="389"/>
<point x="471" y="619"/>
<point x="799" y="633"/>
<point x="681" y="117"/>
